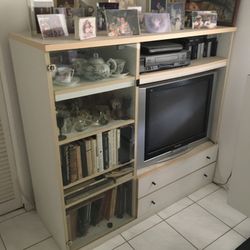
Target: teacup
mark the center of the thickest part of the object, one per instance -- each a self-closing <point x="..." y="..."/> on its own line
<point x="64" y="74"/>
<point x="120" y="66"/>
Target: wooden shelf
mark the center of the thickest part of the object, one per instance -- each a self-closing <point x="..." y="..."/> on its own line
<point x="93" y="130"/>
<point x="70" y="43"/>
<point x="95" y="192"/>
<point x="82" y="180"/>
<point x="196" y="66"/>
<point x="85" y="88"/>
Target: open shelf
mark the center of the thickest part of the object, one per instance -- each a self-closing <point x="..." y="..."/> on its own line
<point x="95" y="175"/>
<point x="101" y="41"/>
<point x="85" y="88"/>
<point x="93" y="130"/>
<point x="196" y="66"/>
<point x="100" y="230"/>
<point x="96" y="191"/>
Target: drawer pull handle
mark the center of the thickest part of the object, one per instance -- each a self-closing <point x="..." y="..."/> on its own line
<point x="153" y="202"/>
<point x="208" y="157"/>
<point x="205" y="175"/>
<point x="153" y="183"/>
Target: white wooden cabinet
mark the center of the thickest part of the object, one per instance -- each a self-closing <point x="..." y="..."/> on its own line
<point x="164" y="183"/>
<point x="38" y="99"/>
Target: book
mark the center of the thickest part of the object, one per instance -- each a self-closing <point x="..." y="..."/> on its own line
<point x="83" y="158"/>
<point x="111" y="147"/>
<point x="112" y="203"/>
<point x="72" y="224"/>
<point x="105" y="144"/>
<point x="52" y="25"/>
<point x="83" y="220"/>
<point x="120" y="202"/>
<point x="78" y="161"/>
<point x="94" y="156"/>
<point x="126" y="149"/>
<point x="73" y="171"/>
<point x="88" y="147"/>
<point x="64" y="164"/>
<point x="99" y="152"/>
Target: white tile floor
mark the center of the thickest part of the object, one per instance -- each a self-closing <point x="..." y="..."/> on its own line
<point x="203" y="220"/>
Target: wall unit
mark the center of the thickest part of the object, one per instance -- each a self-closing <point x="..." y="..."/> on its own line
<point x="58" y="200"/>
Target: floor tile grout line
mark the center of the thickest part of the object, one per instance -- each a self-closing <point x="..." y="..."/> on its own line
<point x="144" y="230"/>
<point x="181" y="235"/>
<point x="38" y="242"/>
<point x="240" y="234"/>
<point x="14" y="216"/>
<point x="205" y="195"/>
<point x="214" y="215"/>
<point x="126" y="241"/>
<point x="176" y="212"/>
<point x="1" y="238"/>
<point x="217" y="238"/>
<point x="240" y="222"/>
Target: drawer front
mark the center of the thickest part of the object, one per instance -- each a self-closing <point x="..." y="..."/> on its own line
<point x="175" y="191"/>
<point x="176" y="169"/>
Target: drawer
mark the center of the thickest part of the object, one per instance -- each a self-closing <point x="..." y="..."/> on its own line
<point x="172" y="170"/>
<point x="175" y="191"/>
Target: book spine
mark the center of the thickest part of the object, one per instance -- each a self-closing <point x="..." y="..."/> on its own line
<point x="94" y="156"/>
<point x="105" y="144"/>
<point x="83" y="159"/>
<point x="79" y="161"/>
<point x="64" y="163"/>
<point x="73" y="163"/>
<point x="99" y="152"/>
<point x="89" y="156"/>
<point x="111" y="147"/>
<point x="115" y="157"/>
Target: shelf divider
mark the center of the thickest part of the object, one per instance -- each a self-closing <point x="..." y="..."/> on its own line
<point x="196" y="66"/>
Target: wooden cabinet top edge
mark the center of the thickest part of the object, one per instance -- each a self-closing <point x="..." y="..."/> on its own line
<point x="48" y="45"/>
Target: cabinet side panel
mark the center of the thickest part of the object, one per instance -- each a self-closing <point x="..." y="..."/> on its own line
<point x="39" y="122"/>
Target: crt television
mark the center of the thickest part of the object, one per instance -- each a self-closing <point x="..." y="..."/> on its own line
<point x="173" y="116"/>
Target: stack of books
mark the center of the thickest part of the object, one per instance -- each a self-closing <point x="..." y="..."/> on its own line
<point x="114" y="203"/>
<point x="95" y="154"/>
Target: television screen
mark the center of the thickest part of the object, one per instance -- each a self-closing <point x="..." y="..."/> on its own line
<point x="176" y="114"/>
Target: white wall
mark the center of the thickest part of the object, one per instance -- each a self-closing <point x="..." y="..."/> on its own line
<point x="239" y="69"/>
<point x="14" y="18"/>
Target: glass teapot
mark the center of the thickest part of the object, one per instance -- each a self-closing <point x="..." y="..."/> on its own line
<point x="97" y="68"/>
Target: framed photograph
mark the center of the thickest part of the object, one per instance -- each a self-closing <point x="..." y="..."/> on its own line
<point x="41" y="11"/>
<point x="157" y="22"/>
<point x="122" y="22"/>
<point x="52" y="25"/>
<point x="100" y="15"/>
<point x="157" y="6"/>
<point x="227" y="10"/>
<point x="70" y="13"/>
<point x="204" y="19"/>
<point x="176" y="9"/>
<point x="124" y="4"/>
<point x="85" y="27"/>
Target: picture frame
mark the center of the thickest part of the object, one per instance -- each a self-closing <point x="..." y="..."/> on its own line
<point x="122" y="22"/>
<point x="176" y="10"/>
<point x="85" y="27"/>
<point x="204" y="19"/>
<point x="157" y="6"/>
<point x="157" y="22"/>
<point x="52" y="25"/>
<point x="227" y="10"/>
<point x="100" y="14"/>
